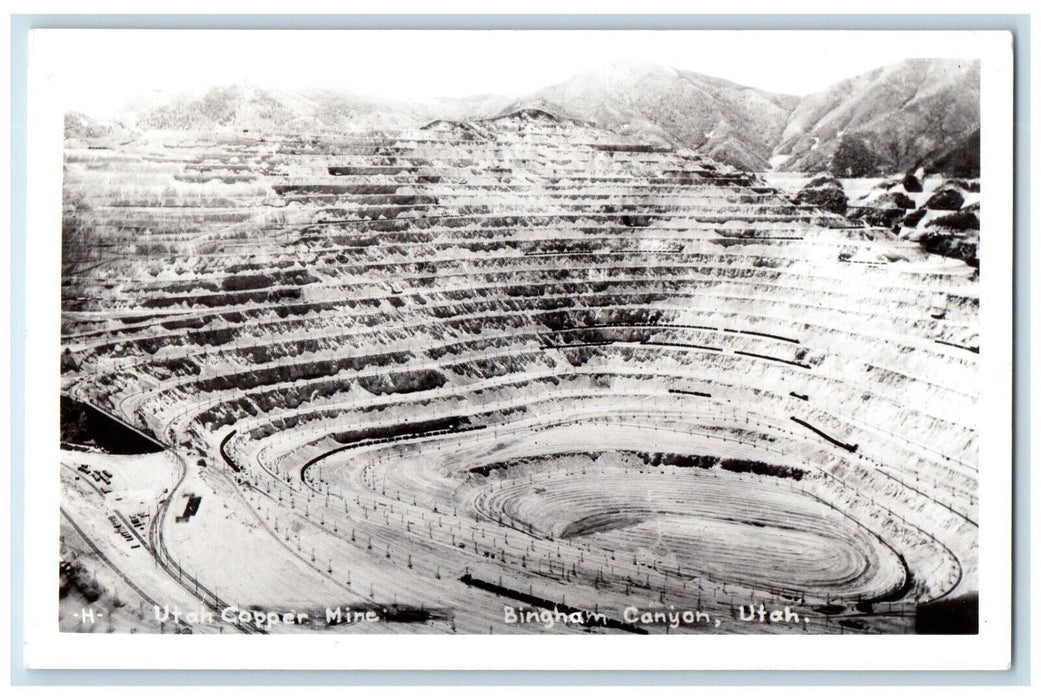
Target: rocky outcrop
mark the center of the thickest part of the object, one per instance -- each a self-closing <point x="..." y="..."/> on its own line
<point x="826" y="192"/>
<point x="945" y="199"/>
<point x="912" y="219"/>
<point x="910" y="183"/>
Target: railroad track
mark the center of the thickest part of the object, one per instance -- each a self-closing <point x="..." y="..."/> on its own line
<point x="157" y="545"/>
<point x="108" y="562"/>
<point x="156" y="542"/>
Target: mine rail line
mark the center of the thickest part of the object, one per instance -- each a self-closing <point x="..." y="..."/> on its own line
<point x="946" y="506"/>
<point x="702" y="394"/>
<point x="574" y="216"/>
<point x="959" y="571"/>
<point x="570" y="375"/>
<point x="770" y="358"/>
<point x="156" y="543"/>
<point x="418" y="435"/>
<point x="281" y="542"/>
<point x="897" y="592"/>
<point x="101" y="555"/>
<point x="224" y="451"/>
<point x="844" y="445"/>
<point x="788" y="593"/>
<point x="339" y="336"/>
<point x="971" y="348"/>
<point x="200" y="313"/>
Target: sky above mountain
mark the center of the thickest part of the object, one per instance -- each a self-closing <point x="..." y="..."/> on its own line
<point x="99" y="72"/>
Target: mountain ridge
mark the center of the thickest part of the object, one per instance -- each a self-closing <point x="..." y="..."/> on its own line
<point x="895" y="118"/>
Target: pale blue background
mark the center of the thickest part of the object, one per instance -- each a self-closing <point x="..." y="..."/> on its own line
<point x="1018" y="24"/>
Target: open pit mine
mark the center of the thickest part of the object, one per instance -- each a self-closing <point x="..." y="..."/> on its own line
<point x="513" y="375"/>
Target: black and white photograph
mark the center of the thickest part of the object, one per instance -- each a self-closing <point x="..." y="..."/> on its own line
<point x="525" y="333"/>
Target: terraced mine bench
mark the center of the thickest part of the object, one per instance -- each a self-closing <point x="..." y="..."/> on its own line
<point x="308" y="313"/>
